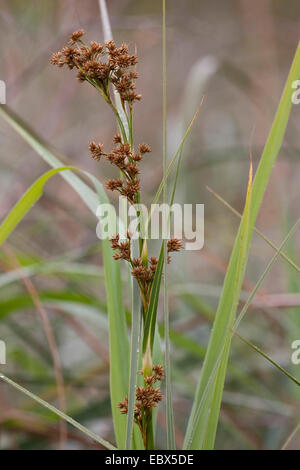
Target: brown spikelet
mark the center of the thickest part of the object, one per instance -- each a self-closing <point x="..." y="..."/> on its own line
<point x="144" y="148"/>
<point x="123" y="406"/>
<point x="74" y="37"/>
<point x="96" y="150"/>
<point x="96" y="47"/>
<point x="174" y="244"/>
<point x="117" y="139"/>
<point x="114" y="241"/>
<point x="114" y="185"/>
<point x="158" y="372"/>
<point x="131" y="190"/>
<point x="57" y="59"/>
<point x="141" y="273"/>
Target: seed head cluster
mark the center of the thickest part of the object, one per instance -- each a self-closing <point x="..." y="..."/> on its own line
<point x="126" y="161"/>
<point x="142" y="270"/>
<point x="100" y="65"/>
<point x="174" y="244"/>
<point x="147" y="397"/>
<point x="107" y="66"/>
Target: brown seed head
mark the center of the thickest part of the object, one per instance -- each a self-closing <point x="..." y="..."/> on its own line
<point x="57" y="59"/>
<point x="158" y="372"/>
<point x="74" y="37"/>
<point x="123" y="406"/>
<point x="96" y="47"/>
<point x="131" y="190"/>
<point x="114" y="185"/>
<point x="115" y="241"/>
<point x="174" y="244"/>
<point x="96" y="150"/>
<point x="144" y="148"/>
<point x="141" y="273"/>
<point x="117" y="139"/>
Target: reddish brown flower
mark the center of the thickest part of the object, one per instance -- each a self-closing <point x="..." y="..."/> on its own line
<point x="144" y="148"/>
<point x="96" y="150"/>
<point x="174" y="245"/>
<point x="114" y="185"/>
<point x="141" y="273"/>
<point x="123" y="406"/>
<point x="117" y="139"/>
<point x="74" y="37"/>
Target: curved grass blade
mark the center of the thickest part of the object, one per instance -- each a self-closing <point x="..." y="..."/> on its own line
<point x="25" y="203"/>
<point x="119" y="348"/>
<point x="262" y="277"/>
<point x="51" y="156"/>
<point x="204" y="415"/>
<point x="59" y="413"/>
<point x="241" y="315"/>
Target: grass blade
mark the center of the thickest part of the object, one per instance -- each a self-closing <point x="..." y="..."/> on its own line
<point x="241" y="315"/>
<point x="134" y="351"/>
<point x="266" y="356"/>
<point x="203" y="434"/>
<point x="107" y="33"/>
<point x="50" y="156"/>
<point x="150" y="322"/>
<point x="169" y="407"/>
<point x="283" y="255"/>
<point x="59" y="413"/>
<point x="290" y="437"/>
<point x="119" y="346"/>
<point x="118" y="419"/>
<point x="262" y="277"/>
<point x="25" y="203"/>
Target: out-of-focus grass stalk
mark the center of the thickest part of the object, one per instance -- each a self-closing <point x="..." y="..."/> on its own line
<point x="169" y="406"/>
<point x="59" y="413"/>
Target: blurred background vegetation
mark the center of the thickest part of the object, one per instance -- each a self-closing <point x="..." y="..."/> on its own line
<point x="237" y="53"/>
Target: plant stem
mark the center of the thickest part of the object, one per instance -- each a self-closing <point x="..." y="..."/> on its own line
<point x="149" y="433"/>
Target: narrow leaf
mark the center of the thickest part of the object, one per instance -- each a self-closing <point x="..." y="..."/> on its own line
<point x="59" y="413"/>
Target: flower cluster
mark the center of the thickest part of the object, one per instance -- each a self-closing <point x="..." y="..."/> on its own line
<point x="122" y="249"/>
<point x="174" y="245"/>
<point x="100" y="65"/>
<point x="123" y="158"/>
<point x="143" y="273"/>
<point x="147" y="397"/>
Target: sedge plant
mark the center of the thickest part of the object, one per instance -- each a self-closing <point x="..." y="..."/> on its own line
<point x="111" y="69"/>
